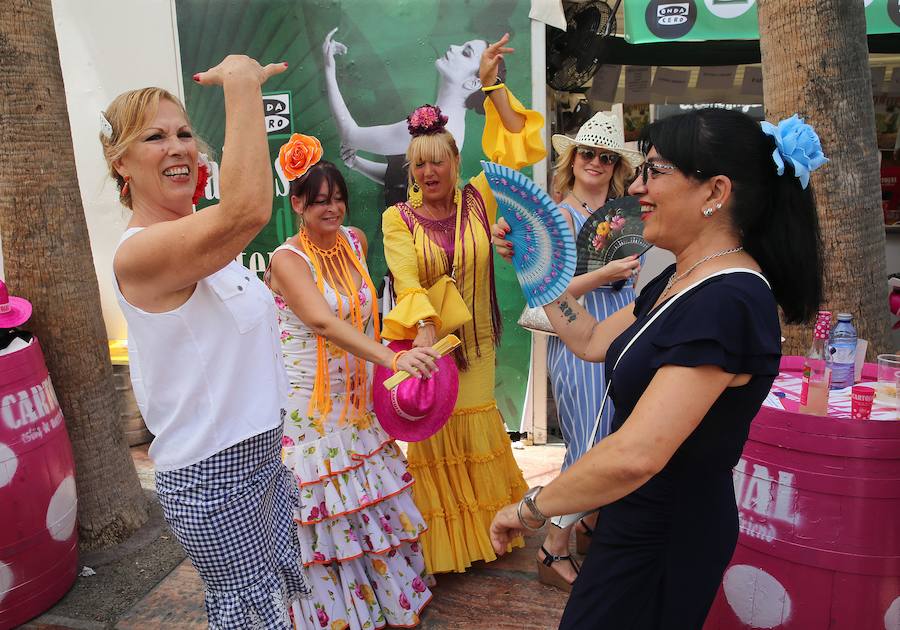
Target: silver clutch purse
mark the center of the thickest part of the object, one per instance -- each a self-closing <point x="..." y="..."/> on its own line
<point x="535" y="320"/>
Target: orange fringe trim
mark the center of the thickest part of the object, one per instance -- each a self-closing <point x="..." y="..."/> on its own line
<point x="331" y="265"/>
<point x="380" y="552"/>
<point x="357" y="456"/>
<point x="355" y="510"/>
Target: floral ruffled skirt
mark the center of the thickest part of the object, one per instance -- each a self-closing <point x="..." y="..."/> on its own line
<point x="359" y="530"/>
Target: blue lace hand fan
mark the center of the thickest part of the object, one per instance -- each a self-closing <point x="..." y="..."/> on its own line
<point x="543" y="248"/>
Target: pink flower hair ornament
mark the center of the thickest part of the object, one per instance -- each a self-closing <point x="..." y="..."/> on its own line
<point x="426" y="120"/>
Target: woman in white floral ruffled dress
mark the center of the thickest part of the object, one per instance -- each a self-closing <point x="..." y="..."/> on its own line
<point x="357" y="524"/>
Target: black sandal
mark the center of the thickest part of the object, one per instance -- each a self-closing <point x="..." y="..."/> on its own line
<point x="547" y="575"/>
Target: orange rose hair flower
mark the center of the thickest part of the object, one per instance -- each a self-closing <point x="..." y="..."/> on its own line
<point x="299" y="154"/>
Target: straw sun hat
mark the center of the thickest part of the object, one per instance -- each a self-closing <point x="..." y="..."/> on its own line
<point x="602" y="131"/>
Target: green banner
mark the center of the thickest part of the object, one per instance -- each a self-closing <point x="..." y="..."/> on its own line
<point x="388" y="57"/>
<point x="648" y="21"/>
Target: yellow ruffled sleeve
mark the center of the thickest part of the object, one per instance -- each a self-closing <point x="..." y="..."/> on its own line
<point x="402" y="259"/>
<point x="512" y="149"/>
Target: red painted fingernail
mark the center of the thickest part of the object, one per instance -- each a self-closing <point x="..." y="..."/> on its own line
<point x="197" y="77"/>
<point x="285" y="64"/>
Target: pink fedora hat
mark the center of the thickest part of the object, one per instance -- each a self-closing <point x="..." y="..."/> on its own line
<point x="14" y="311"/>
<point x="416" y="408"/>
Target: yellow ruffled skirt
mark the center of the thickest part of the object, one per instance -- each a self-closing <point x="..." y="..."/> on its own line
<point x="464" y="474"/>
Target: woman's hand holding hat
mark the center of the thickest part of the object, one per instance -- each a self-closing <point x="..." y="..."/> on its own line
<point x="419" y="362"/>
<point x="413" y="409"/>
<point x="239" y="67"/>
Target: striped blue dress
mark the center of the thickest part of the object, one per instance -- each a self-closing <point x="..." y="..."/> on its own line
<point x="578" y="386"/>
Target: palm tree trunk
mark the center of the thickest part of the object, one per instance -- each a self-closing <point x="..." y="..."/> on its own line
<point x="47" y="259"/>
<point x="815" y="62"/>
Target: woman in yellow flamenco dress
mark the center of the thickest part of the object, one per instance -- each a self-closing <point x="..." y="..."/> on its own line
<point x="466" y="471"/>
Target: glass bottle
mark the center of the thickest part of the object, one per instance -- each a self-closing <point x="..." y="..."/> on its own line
<point x="817" y="369"/>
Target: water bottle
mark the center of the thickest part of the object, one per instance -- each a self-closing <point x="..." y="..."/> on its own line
<point x="843" y="351"/>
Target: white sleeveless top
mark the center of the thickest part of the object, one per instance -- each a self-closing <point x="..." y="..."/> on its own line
<point x="209" y="373"/>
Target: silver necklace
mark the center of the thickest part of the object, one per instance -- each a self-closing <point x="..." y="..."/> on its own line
<point x="675" y="278"/>
<point x="584" y="205"/>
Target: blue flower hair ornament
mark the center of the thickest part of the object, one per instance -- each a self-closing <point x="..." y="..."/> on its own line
<point x="797" y="143"/>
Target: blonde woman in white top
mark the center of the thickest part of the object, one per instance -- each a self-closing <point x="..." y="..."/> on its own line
<point x="203" y="343"/>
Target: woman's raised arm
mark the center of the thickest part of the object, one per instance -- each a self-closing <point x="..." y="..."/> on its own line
<point x="172" y="255"/>
<point x="490" y="63"/>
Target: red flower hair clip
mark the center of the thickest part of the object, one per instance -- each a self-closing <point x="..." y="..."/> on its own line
<point x="426" y="120"/>
<point x="203" y="170"/>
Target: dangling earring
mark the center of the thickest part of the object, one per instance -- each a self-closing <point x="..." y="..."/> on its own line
<point x="708" y="212"/>
<point x="415" y="196"/>
<point x="457" y="197"/>
<point x="124" y="191"/>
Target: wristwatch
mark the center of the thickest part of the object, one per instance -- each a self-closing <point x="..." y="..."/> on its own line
<point x="528" y="501"/>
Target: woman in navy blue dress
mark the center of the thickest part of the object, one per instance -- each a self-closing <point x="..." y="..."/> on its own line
<point x="690" y="363"/>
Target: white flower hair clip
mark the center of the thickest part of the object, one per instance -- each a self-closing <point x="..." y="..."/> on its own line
<point x="106" y="129"/>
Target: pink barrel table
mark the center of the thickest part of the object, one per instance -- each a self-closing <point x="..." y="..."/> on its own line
<point x="38" y="539"/>
<point x="819" y="508"/>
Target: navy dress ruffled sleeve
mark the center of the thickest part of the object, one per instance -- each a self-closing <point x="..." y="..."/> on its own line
<point x="724" y="328"/>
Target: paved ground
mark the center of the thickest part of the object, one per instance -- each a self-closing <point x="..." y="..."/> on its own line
<point x="145" y="584"/>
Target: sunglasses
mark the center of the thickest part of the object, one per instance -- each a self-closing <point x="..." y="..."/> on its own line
<point x="653" y="169"/>
<point x="605" y="158"/>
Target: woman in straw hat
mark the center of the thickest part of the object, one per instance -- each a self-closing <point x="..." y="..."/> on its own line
<point x="591" y="169"/>
<point x="357" y="524"/>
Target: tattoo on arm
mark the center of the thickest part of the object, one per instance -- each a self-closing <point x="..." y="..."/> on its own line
<point x="567" y="310"/>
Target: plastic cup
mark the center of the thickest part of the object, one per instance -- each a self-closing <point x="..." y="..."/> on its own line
<point x="861" y="398"/>
<point x="897" y="383"/>
<point x="886" y="388"/>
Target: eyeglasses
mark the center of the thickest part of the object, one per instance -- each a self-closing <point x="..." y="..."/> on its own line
<point x="605" y="158"/>
<point x="654" y="168"/>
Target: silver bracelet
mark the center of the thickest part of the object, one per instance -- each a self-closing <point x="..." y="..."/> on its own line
<point x="522" y="519"/>
<point x="529" y="501"/>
